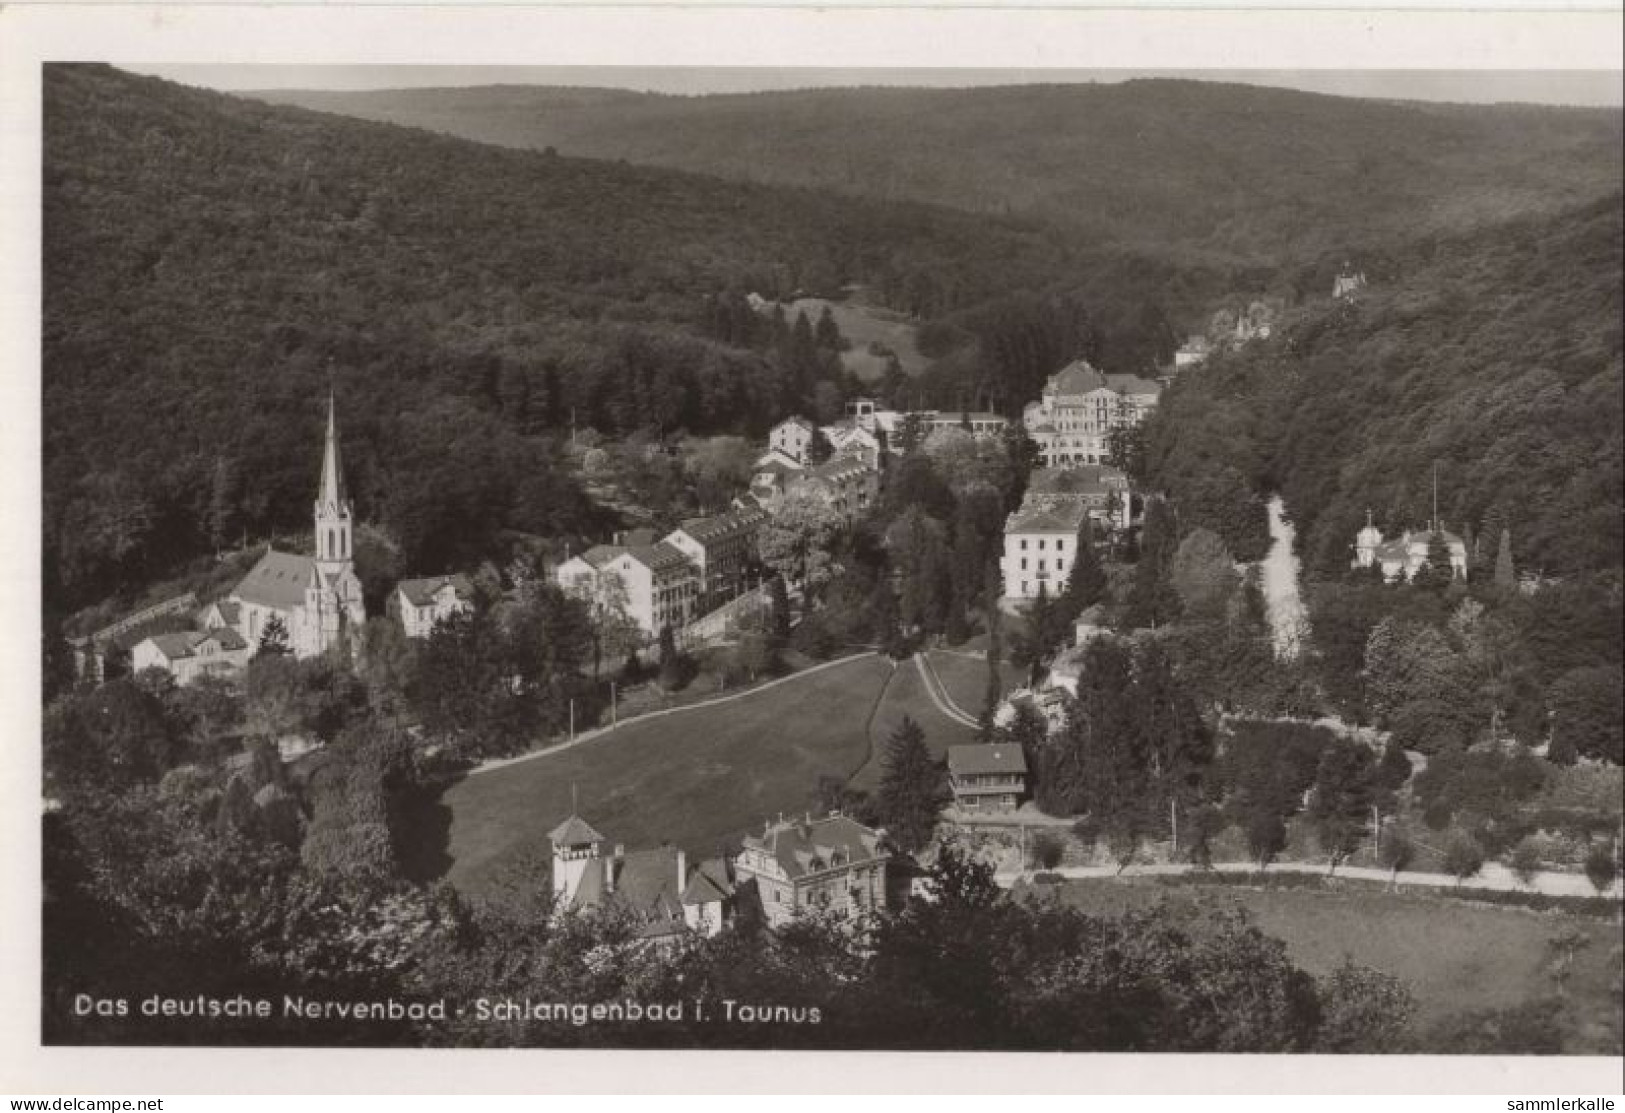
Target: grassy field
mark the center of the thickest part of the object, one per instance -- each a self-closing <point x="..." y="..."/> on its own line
<point x="862" y="325"/>
<point x="906" y="695"/>
<point x="1456" y="956"/>
<point x="966" y="678"/>
<point x="699" y="778"/>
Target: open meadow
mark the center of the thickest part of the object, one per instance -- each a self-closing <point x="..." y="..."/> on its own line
<point x="906" y="695"/>
<point x="1456" y="955"/>
<point x="862" y="325"/>
<point x="699" y="778"/>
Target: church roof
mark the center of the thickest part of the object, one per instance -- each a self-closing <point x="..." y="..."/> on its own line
<point x="277" y="581"/>
<point x="331" y="490"/>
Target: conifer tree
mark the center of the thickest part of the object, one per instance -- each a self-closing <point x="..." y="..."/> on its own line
<point x="911" y="787"/>
<point x="1086" y="581"/>
<point x="1505" y="574"/>
<point x="779" y="596"/>
<point x="274" y="638"/>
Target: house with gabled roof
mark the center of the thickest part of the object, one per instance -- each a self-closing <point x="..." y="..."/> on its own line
<point x="656" y="584"/>
<point x="421" y="603"/>
<point x="723" y="550"/>
<point x="189" y="654"/>
<point x="987" y="777"/>
<point x="792" y="438"/>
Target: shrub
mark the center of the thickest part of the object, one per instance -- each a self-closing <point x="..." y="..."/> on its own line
<point x="1463" y="856"/>
<point x="1047" y="851"/>
<point x="1601" y="867"/>
<point x="1524" y="861"/>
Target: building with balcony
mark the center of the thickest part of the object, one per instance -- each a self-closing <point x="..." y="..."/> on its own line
<point x="987" y="778"/>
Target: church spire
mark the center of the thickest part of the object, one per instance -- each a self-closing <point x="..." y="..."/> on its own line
<point x="331" y="492"/>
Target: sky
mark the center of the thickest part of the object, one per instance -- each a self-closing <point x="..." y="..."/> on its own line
<point x="1574" y="87"/>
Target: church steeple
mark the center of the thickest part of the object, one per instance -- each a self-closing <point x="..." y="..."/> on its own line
<point x="333" y="518"/>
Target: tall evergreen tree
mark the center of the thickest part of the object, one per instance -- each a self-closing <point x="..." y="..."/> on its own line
<point x="1152" y="599"/>
<point x="1086" y="581"/>
<point x="1174" y="741"/>
<point x="1505" y="574"/>
<point x="779" y="599"/>
<point x="911" y="787"/>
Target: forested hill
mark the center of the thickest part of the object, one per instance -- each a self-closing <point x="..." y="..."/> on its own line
<point x="1495" y="356"/>
<point x="212" y="263"/>
<point x="1234" y="172"/>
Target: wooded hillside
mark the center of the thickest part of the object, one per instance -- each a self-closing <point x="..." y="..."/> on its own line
<point x="1230" y="172"/>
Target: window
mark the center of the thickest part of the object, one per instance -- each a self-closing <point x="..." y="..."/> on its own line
<point x="1024" y="564"/>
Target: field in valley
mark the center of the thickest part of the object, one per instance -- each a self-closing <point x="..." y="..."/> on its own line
<point x="863" y="325"/>
<point x="906" y="695"/>
<point x="699" y="778"/>
<point x="1455" y="955"/>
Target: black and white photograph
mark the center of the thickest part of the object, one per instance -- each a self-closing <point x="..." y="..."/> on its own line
<point x="885" y="558"/>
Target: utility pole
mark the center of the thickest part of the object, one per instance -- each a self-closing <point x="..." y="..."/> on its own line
<point x="572" y="719"/>
<point x="1173" y="821"/>
<point x="614" y="715"/>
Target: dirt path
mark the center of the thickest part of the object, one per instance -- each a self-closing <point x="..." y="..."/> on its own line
<point x="1494" y="877"/>
<point x="1280" y="584"/>
<point x="939" y="693"/>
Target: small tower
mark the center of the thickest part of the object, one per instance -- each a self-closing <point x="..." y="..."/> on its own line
<point x="1366" y="542"/>
<point x="575" y="851"/>
<point x="334" y="519"/>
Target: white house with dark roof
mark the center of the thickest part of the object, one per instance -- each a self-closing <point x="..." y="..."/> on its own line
<point x="833" y="864"/>
<point x="1040" y="544"/>
<point x="1080" y="407"/>
<point x="1103" y="491"/>
<point x="189" y="654"/>
<point x="424" y="602"/>
<point x="987" y="777"/>
<point x="657" y="584"/>
<point x="317" y="598"/>
<point x="656" y="886"/>
<point x="723" y="550"/>
<point x="793" y="438"/>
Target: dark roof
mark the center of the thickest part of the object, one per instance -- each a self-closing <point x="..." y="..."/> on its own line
<point x="797" y="419"/>
<point x="1065" y="518"/>
<point x="1087" y="479"/>
<point x="658" y="557"/>
<point x="986" y="759"/>
<point x="574" y="831"/>
<point x="181" y="644"/>
<point x="420" y="593"/>
<point x="229" y="612"/>
<point x="1133" y="384"/>
<point x="646" y="882"/>
<point x="278" y="581"/>
<point x="809" y="846"/>
<point x="721" y="526"/>
<point x="600" y="555"/>
<point x="709" y="883"/>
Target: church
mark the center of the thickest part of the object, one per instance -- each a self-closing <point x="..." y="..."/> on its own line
<point x="317" y="598"/>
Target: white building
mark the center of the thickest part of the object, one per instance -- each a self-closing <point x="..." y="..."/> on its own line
<point x="1408" y="553"/>
<point x="189" y="654"/>
<point x="834" y="865"/>
<point x="1040" y="544"/>
<point x="317" y="598"/>
<point x="1101" y="490"/>
<point x="722" y="549"/>
<point x="656" y="584"/>
<point x="424" y="602"/>
<point x="793" y="438"/>
<point x="1079" y="408"/>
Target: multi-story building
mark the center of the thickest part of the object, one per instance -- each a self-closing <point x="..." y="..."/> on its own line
<point x="423" y="602"/>
<point x="722" y="549"/>
<point x="833" y="864"/>
<point x="793" y="438"/>
<point x="987" y="778"/>
<point x="847" y="438"/>
<point x="1040" y="544"/>
<point x="846" y="483"/>
<point x="655" y="584"/>
<point x="1079" y="409"/>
